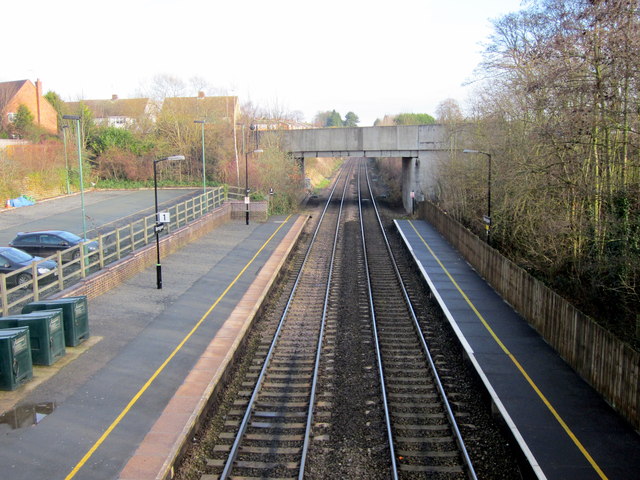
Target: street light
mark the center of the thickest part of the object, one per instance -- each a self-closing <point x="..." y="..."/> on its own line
<point x="159" y="226"/>
<point x="66" y="159"/>
<point x="204" y="182"/>
<point x="246" y="170"/>
<point x="487" y="218"/>
<point x="84" y="222"/>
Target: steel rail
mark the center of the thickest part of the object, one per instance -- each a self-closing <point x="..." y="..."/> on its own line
<point x="423" y="342"/>
<point x="387" y="415"/>
<point x="316" y="368"/>
<point x="245" y="420"/>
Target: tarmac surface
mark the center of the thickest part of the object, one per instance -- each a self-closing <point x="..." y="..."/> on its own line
<point x="85" y="416"/>
<point x="564" y="426"/>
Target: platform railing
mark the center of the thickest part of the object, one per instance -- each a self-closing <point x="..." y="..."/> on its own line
<point x="112" y="246"/>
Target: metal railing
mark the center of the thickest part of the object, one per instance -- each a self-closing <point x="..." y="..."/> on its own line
<point x="18" y="289"/>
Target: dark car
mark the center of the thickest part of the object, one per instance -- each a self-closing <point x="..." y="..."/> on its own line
<point x="12" y="259"/>
<point x="48" y="242"/>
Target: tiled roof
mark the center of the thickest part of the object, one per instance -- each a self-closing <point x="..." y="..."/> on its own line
<point x="125" y="107"/>
<point x="220" y="107"/>
<point x="9" y="89"/>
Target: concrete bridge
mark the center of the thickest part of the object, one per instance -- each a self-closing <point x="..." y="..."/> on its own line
<point x="421" y="147"/>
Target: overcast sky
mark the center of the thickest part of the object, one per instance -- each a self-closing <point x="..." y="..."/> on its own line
<point x="371" y="57"/>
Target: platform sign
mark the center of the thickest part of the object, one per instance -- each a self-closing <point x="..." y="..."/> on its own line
<point x="164" y="217"/>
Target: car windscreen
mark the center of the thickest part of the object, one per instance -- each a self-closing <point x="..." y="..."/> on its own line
<point x="17" y="256"/>
<point x="70" y="237"/>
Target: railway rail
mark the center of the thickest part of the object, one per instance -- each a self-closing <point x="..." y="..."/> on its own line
<point x="424" y="437"/>
<point x="272" y="437"/>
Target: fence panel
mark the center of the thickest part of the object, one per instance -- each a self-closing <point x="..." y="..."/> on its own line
<point x="605" y="362"/>
<point x="113" y="246"/>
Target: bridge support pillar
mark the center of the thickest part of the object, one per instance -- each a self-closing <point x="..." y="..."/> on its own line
<point x="418" y="179"/>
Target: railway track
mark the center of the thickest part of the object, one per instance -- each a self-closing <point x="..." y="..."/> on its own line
<point x="424" y="438"/>
<point x="392" y="413"/>
<point x="270" y="430"/>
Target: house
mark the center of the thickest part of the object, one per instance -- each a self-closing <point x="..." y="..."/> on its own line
<point x="212" y="109"/>
<point x="24" y="92"/>
<point x="117" y="112"/>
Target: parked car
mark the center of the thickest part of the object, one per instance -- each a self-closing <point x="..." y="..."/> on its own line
<point x="12" y="259"/>
<point x="47" y="242"/>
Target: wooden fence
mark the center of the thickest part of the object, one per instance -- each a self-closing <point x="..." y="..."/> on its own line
<point x="606" y="363"/>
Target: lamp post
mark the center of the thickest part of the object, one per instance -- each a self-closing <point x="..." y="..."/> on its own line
<point x="66" y="158"/>
<point x="84" y="221"/>
<point x="487" y="218"/>
<point x="159" y="226"/>
<point x="246" y="174"/>
<point x="246" y="169"/>
<point x="204" y="182"/>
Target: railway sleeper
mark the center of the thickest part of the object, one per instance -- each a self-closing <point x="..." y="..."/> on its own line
<point x="432" y="469"/>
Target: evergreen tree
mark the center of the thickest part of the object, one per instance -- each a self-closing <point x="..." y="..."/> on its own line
<point x="351" y="120"/>
<point x="334" y="120"/>
<point x="24" y="120"/>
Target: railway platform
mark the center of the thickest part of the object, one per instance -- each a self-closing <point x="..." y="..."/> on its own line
<point x="563" y="426"/>
<point x="122" y="404"/>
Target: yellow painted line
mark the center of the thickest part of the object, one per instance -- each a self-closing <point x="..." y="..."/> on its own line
<point x="524" y="373"/>
<point x="148" y="383"/>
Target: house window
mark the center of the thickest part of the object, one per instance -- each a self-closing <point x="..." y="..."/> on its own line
<point x="12" y="117"/>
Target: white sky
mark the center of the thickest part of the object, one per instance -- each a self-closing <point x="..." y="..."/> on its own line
<point x="371" y="57"/>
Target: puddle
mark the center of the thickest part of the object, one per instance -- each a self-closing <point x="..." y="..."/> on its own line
<point x="26" y="415"/>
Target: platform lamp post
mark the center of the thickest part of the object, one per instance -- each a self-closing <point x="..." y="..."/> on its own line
<point x="487" y="218"/>
<point x="246" y="171"/>
<point x="159" y="226"/>
<point x="204" y="181"/>
<point x="66" y="158"/>
<point x="84" y="221"/>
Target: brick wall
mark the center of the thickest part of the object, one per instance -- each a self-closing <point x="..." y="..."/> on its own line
<point x="257" y="211"/>
<point x="43" y="113"/>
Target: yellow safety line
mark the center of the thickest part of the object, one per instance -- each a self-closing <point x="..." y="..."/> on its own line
<point x="137" y="396"/>
<point x="515" y="362"/>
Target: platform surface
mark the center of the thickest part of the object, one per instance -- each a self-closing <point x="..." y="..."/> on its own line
<point x="570" y="432"/>
<point x="86" y="417"/>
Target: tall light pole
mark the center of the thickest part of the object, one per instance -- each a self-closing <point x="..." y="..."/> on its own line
<point x="66" y="158"/>
<point x="84" y="221"/>
<point x="204" y="181"/>
<point x="246" y="169"/>
<point x="159" y="226"/>
<point x="487" y="218"/>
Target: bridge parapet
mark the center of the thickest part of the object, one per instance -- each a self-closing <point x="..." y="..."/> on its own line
<point x="397" y="141"/>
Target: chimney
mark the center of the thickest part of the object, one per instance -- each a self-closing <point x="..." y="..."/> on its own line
<point x="38" y="96"/>
<point x="201" y="94"/>
<point x="114" y="97"/>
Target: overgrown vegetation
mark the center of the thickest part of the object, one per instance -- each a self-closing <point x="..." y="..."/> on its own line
<point x="123" y="156"/>
<point x="559" y="115"/>
<point x="405" y="119"/>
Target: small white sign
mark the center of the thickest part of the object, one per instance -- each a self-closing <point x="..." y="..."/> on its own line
<point x="163" y="217"/>
<point x="247" y="200"/>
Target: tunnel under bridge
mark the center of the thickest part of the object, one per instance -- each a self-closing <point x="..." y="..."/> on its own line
<point x="421" y="147"/>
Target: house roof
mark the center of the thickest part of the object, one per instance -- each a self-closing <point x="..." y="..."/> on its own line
<point x="9" y="89"/>
<point x="125" y="107"/>
<point x="216" y="107"/>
